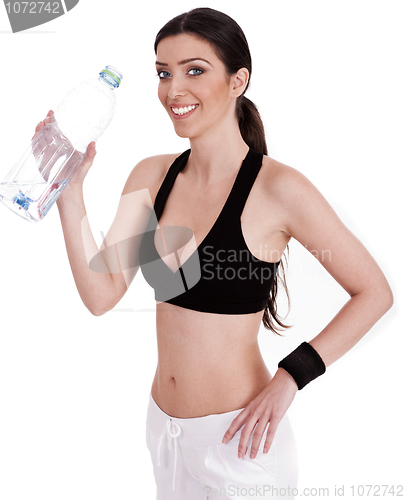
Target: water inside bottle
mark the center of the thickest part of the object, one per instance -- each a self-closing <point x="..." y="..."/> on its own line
<point x="56" y="152"/>
<point x="31" y="201"/>
<point x="38" y="178"/>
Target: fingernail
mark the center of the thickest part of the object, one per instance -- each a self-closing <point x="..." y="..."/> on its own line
<point x="224" y="440"/>
<point x="240" y="455"/>
<point x="265" y="450"/>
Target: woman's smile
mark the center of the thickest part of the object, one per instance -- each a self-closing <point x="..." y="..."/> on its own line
<point x="180" y="112"/>
<point x="192" y="79"/>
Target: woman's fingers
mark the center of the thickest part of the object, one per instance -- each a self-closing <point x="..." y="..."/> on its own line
<point x="41" y="124"/>
<point x="271" y="431"/>
<point x="38" y="128"/>
<point x="268" y="407"/>
<point x="236" y="424"/>
<point x="80" y="175"/>
<point x="258" y="435"/>
<point x="245" y="435"/>
<point x="90" y="154"/>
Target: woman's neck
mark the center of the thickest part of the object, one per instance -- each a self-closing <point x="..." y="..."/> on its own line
<point x="215" y="156"/>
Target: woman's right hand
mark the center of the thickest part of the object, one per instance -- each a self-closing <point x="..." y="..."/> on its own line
<point x="78" y="178"/>
<point x="49" y="118"/>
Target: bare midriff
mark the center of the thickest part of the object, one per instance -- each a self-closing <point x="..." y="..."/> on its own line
<point x="207" y="363"/>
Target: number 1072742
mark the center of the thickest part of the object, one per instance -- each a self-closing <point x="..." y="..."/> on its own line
<point x="33" y="7"/>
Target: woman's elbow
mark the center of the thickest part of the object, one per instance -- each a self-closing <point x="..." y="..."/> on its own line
<point x="389" y="298"/>
<point x="384" y="297"/>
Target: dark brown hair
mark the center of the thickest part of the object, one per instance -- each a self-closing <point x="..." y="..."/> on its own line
<point x="229" y="43"/>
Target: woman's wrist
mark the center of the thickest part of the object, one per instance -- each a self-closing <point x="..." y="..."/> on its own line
<point x="72" y="194"/>
<point x="304" y="364"/>
<point x="286" y="378"/>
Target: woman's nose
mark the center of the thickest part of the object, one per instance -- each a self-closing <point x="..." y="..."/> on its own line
<point x="175" y="89"/>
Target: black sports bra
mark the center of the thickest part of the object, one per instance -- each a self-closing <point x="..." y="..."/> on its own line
<point x="221" y="276"/>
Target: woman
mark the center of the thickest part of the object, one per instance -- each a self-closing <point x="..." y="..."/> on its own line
<point x="211" y="381"/>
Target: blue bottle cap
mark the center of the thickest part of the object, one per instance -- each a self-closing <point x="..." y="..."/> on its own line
<point x="112" y="75"/>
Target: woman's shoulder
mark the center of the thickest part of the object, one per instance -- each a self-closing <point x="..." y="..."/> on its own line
<point x="282" y="179"/>
<point x="299" y="203"/>
<point x="149" y="173"/>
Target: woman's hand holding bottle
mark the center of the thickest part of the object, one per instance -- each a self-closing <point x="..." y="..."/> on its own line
<point x="77" y="180"/>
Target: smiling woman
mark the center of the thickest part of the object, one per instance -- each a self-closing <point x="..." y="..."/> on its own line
<point x="213" y="255"/>
<point x="204" y="87"/>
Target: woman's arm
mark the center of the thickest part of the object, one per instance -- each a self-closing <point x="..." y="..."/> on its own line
<point x="311" y="220"/>
<point x="103" y="275"/>
<point x="93" y="287"/>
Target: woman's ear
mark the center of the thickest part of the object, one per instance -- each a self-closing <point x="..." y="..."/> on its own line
<point x="240" y="81"/>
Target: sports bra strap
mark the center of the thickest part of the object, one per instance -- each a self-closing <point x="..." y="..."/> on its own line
<point x="244" y="182"/>
<point x="167" y="184"/>
<point x="240" y="190"/>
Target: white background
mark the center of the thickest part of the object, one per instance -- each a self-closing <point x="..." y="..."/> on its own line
<point x="328" y="78"/>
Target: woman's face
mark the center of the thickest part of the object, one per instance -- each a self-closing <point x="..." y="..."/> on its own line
<point x="201" y="83"/>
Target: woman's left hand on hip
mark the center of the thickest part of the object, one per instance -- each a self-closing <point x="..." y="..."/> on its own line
<point x="268" y="406"/>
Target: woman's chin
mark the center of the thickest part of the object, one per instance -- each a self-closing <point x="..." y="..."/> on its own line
<point x="183" y="135"/>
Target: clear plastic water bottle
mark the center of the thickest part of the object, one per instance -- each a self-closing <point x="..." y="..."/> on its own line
<point x="38" y="178"/>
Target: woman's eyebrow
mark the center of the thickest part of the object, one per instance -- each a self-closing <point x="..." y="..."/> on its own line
<point x="186" y="61"/>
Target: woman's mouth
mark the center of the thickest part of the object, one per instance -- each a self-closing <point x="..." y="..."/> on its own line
<point x="182" y="112"/>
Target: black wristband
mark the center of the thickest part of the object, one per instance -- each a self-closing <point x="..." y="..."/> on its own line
<point x="303" y="364"/>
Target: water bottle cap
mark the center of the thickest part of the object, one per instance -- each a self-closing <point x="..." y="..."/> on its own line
<point x="112" y="75"/>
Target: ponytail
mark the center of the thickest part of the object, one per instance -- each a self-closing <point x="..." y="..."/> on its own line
<point x="251" y="125"/>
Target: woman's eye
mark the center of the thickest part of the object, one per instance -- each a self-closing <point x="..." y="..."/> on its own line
<point x="196" y="69"/>
<point x="160" y="72"/>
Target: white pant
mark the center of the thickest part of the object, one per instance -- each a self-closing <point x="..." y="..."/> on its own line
<point x="190" y="461"/>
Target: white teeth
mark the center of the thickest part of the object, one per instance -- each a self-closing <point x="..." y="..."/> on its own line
<point x="182" y="111"/>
